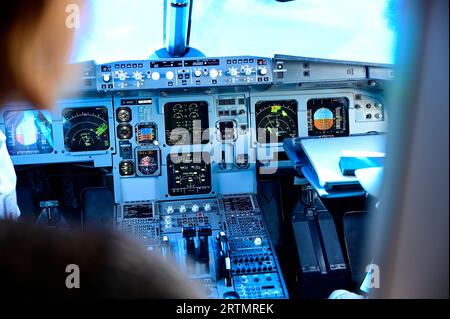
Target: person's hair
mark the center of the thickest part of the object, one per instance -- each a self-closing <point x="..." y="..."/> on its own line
<point x="35" y="43"/>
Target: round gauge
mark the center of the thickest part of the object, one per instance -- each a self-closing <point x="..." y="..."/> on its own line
<point x="123" y="114"/>
<point x="124" y="132"/>
<point x="194" y="115"/>
<point x="242" y="161"/>
<point x="126" y="168"/>
<point x="193" y="107"/>
<point x="323" y="119"/>
<point x="148" y="165"/>
<point x="177" y="108"/>
<point x="86" y="129"/>
<point x="276" y="120"/>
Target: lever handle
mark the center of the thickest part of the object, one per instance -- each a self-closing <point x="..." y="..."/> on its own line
<point x="225" y="254"/>
<point x="203" y="234"/>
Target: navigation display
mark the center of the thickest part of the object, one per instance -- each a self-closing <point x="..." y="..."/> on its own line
<point x="86" y="129"/>
<point x="189" y="173"/>
<point x="276" y="120"/>
<point x="28" y="132"/>
<point x="328" y="117"/>
<point x="186" y="123"/>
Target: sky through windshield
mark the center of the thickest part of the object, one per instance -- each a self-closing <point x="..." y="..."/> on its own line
<point x="333" y="29"/>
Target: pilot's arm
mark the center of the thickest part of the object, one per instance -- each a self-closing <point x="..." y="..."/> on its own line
<point x="8" y="199"/>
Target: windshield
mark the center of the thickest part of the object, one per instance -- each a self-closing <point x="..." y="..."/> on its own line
<point x="345" y="30"/>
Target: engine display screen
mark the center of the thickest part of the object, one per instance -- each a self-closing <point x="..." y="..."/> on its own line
<point x="147" y="162"/>
<point x="189" y="173"/>
<point x="328" y="117"/>
<point x="186" y="123"/>
<point x="28" y="132"/>
<point x="86" y="129"/>
<point x="276" y="120"/>
<point x="145" y="133"/>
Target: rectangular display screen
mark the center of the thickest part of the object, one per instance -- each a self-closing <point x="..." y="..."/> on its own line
<point x="166" y="64"/>
<point x="147" y="162"/>
<point x="146" y="133"/>
<point x="328" y="117"/>
<point x="29" y="132"/>
<point x="186" y="123"/>
<point x="86" y="129"/>
<point x="201" y="62"/>
<point x="189" y="173"/>
<point x="276" y="120"/>
<point x="138" y="211"/>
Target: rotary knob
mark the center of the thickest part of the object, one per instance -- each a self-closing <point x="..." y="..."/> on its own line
<point x="197" y="73"/>
<point x="170" y="75"/>
<point x="195" y="208"/>
<point x="156" y="76"/>
<point x="106" y="77"/>
<point x="138" y="76"/>
<point x="182" y="209"/>
<point x="207" y="207"/>
<point x="263" y="71"/>
<point x="258" y="241"/>
<point x="122" y="76"/>
<point x="213" y="73"/>
<point x="168" y="222"/>
<point x="248" y="70"/>
<point x="233" y="71"/>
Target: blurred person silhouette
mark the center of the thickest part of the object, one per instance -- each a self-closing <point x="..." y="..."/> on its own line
<point x="34" y="262"/>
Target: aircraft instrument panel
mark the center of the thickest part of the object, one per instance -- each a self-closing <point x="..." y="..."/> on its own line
<point x="186" y="122"/>
<point x="86" y="129"/>
<point x="328" y="117"/>
<point x="146" y="133"/>
<point x="28" y="132"/>
<point x="148" y="160"/>
<point x="185" y="143"/>
<point x="189" y="173"/>
<point x="138" y="211"/>
<point x="276" y="120"/>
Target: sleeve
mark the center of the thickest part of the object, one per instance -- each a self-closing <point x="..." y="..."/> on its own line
<point x="8" y="198"/>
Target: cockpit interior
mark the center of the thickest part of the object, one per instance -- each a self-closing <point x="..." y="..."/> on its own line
<point x="278" y="175"/>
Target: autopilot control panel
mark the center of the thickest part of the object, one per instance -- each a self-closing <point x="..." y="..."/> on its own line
<point x="185" y="141"/>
